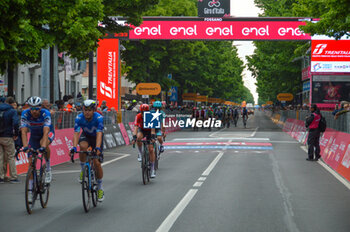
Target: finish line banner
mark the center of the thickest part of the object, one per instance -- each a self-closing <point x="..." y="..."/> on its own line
<point x="218" y="30"/>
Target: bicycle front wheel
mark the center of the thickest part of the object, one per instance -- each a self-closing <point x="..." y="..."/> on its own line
<point x="30" y="191"/>
<point x="85" y="189"/>
<point x="43" y="187"/>
<point x="94" y="188"/>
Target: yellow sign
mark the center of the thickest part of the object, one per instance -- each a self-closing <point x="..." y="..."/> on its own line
<point x="201" y="98"/>
<point x="148" y="89"/>
<point x="269" y="103"/>
<point x="285" y="97"/>
<point x="189" y="96"/>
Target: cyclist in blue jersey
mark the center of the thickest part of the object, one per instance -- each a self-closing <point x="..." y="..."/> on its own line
<point x="91" y="123"/>
<point x="38" y="121"/>
<point x="160" y="133"/>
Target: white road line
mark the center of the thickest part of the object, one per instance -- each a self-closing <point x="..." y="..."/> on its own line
<point x="253" y="134"/>
<point x="212" y="164"/>
<point x="220" y="138"/>
<point x="197" y="184"/>
<point x="172" y="217"/>
<point x="65" y="172"/>
<point x="334" y="173"/>
<point x="103" y="164"/>
<point x="202" y="178"/>
<point x="113" y="160"/>
<point x="212" y="134"/>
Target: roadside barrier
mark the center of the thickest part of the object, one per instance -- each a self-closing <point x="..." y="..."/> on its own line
<point x="115" y="134"/>
<point x="334" y="144"/>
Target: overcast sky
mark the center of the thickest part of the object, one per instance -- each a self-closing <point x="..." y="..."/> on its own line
<point x="245" y="8"/>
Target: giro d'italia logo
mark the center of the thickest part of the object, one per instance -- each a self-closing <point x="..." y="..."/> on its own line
<point x="151" y="120"/>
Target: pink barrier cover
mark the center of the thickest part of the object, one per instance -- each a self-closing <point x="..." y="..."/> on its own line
<point x="124" y="133"/>
<point x="60" y="148"/>
<point x="335" y="145"/>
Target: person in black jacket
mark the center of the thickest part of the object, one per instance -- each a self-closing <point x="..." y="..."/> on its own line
<point x="313" y="140"/>
<point x="9" y="130"/>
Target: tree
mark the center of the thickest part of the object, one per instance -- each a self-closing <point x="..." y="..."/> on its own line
<point x="333" y="14"/>
<point x="208" y="67"/>
<point x="30" y="25"/>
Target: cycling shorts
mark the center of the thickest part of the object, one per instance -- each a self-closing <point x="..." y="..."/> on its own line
<point x="91" y="140"/>
<point x="146" y="133"/>
<point x="34" y="141"/>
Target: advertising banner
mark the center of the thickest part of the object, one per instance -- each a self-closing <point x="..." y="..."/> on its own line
<point x="306" y="73"/>
<point x="213" y="8"/>
<point x="124" y="133"/>
<point x="330" y="56"/>
<point x="330" y="89"/>
<point x="218" y="30"/>
<point x="108" y="72"/>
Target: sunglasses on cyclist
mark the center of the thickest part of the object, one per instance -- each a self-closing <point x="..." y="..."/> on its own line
<point x="35" y="108"/>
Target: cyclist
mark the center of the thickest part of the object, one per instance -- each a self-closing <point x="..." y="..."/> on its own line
<point x="235" y="116"/>
<point x="38" y="121"/>
<point x="91" y="123"/>
<point x="245" y="116"/>
<point x="139" y="133"/>
<point x="157" y="105"/>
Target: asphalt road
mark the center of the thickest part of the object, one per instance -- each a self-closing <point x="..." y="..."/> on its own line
<point x="235" y="179"/>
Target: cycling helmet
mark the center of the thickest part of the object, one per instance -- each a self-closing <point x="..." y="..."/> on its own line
<point x="90" y="104"/>
<point x="157" y="104"/>
<point x="144" y="107"/>
<point x="34" y="101"/>
<point x="134" y="101"/>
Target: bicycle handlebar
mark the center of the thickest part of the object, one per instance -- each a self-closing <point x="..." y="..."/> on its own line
<point x="91" y="154"/>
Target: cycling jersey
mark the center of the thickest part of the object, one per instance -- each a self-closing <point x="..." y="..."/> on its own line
<point x="245" y="112"/>
<point x="91" y="127"/>
<point x="36" y="125"/>
<point x="139" y="122"/>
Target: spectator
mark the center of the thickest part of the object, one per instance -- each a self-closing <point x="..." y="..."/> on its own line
<point x="133" y="104"/>
<point x="46" y="105"/>
<point x="345" y="107"/>
<point x="313" y="140"/>
<point x="70" y="106"/>
<point x="9" y="131"/>
<point x="336" y="109"/>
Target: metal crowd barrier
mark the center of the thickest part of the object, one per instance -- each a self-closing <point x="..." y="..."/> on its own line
<point x="342" y="123"/>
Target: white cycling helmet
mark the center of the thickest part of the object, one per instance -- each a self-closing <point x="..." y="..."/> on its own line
<point x="89" y="104"/>
<point x="34" y="101"/>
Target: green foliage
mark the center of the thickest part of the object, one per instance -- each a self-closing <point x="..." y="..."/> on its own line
<point x="30" y="25"/>
<point x="334" y="16"/>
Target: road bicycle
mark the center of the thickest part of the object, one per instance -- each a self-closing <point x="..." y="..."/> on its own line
<point x="89" y="188"/>
<point x="145" y="162"/>
<point x="245" y="118"/>
<point x="39" y="186"/>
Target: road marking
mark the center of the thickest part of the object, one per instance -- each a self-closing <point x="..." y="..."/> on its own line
<point x="220" y="138"/>
<point x="197" y="184"/>
<point x="212" y="164"/>
<point x="175" y="213"/>
<point x="219" y="147"/>
<point x="253" y="134"/>
<point x="113" y="160"/>
<point x="212" y="134"/>
<point x="103" y="164"/>
<point x="329" y="169"/>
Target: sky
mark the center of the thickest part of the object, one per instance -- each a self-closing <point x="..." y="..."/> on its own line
<point x="246" y="8"/>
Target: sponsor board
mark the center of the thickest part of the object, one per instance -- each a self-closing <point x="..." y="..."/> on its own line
<point x="108" y="71"/>
<point x="224" y="30"/>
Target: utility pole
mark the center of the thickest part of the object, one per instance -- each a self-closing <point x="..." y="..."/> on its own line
<point x="91" y="74"/>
